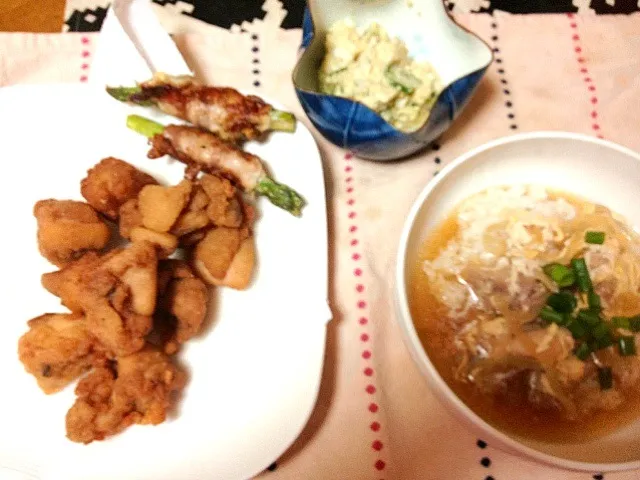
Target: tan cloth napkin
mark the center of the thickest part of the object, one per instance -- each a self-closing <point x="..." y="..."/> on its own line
<point x="375" y="417"/>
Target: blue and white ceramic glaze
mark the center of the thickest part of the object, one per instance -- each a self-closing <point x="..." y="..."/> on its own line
<point x="459" y="57"/>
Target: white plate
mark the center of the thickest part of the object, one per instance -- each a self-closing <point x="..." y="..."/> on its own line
<point x="255" y="372"/>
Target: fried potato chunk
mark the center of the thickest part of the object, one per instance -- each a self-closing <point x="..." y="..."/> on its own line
<point x="110" y="183"/>
<point x="165" y="243"/>
<point x="117" y="293"/>
<point x="67" y="229"/>
<point x="161" y="206"/>
<point x="224" y="209"/>
<point x="225" y="257"/>
<point x="57" y="349"/>
<point x="139" y="391"/>
<point x="182" y="304"/>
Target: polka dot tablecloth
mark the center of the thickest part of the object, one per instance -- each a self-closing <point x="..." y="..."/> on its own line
<point x="376" y="417"/>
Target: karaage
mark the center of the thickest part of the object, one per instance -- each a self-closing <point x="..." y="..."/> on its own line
<point x="57" y="349"/>
<point x="67" y="229"/>
<point x="110" y="183"/>
<point x="139" y="388"/>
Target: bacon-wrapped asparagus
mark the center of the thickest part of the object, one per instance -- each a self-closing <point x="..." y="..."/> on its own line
<point x="201" y="150"/>
<point x="223" y="111"/>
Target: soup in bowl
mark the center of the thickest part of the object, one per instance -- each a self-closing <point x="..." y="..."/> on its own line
<point x="519" y="294"/>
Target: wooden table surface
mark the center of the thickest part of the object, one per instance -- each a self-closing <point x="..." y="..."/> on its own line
<point x="31" y="15"/>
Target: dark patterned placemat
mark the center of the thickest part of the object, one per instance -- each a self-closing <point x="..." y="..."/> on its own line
<point x="88" y="15"/>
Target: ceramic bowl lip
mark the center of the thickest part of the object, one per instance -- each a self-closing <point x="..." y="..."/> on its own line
<point x="362" y="105"/>
<point x="409" y="333"/>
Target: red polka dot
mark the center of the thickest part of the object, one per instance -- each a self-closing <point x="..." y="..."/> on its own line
<point x="594" y="100"/>
<point x="573" y="25"/>
<point x="587" y="79"/>
<point x="576" y="37"/>
<point x="580" y="59"/>
<point x="355" y="256"/>
<point x="370" y="389"/>
<point x="348" y="169"/>
<point x="359" y="288"/>
<point x="351" y="201"/>
<point x="600" y="136"/>
<point x="578" y="49"/>
<point x="84" y="66"/>
<point x="583" y="70"/>
<point x="595" y="126"/>
<point x="364" y="337"/>
<point x="85" y="54"/>
<point x="357" y="272"/>
<point x="84" y="40"/>
<point x="354" y="242"/>
<point x="594" y="114"/>
<point x="353" y="228"/>
<point x="348" y="156"/>
<point x="83" y="78"/>
<point x="380" y="465"/>
<point x="570" y="15"/>
<point x="350" y="190"/>
<point x="368" y="371"/>
<point x="366" y="354"/>
<point x="348" y="179"/>
<point x="591" y="88"/>
<point x="375" y="426"/>
<point x="363" y="321"/>
<point x="373" y="408"/>
<point x="377" y="445"/>
<point x="352" y="214"/>
<point x="362" y="304"/>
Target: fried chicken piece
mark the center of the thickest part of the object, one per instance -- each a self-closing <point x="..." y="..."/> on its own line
<point x="110" y="183"/>
<point x="66" y="283"/>
<point x="117" y="293"/>
<point x="130" y="217"/>
<point x="139" y="391"/>
<point x="224" y="209"/>
<point x="57" y="349"/>
<point x="182" y="301"/>
<point x="160" y="206"/>
<point x="225" y="257"/>
<point x="67" y="229"/>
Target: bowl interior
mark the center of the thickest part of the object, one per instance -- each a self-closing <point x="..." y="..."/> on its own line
<point x="429" y="33"/>
<point x="596" y="170"/>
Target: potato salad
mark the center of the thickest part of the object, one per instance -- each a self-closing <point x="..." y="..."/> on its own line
<point x="369" y="66"/>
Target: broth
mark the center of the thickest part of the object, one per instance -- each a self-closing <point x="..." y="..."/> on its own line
<point x="437" y="332"/>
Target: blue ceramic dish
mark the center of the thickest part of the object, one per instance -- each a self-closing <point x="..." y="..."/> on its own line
<point x="459" y="57"/>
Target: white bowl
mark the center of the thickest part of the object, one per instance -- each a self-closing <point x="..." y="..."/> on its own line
<point x="600" y="171"/>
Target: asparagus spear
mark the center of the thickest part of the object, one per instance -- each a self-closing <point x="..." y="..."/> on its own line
<point x="257" y="179"/>
<point x="277" y="120"/>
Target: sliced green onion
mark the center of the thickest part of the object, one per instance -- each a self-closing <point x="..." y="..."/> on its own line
<point x="582" y="274"/>
<point x="591" y="319"/>
<point x="577" y="330"/>
<point x="634" y="324"/>
<point x="621" y="322"/>
<point x="594" y="237"/>
<point x="563" y="276"/>
<point x="563" y="302"/>
<point x="594" y="300"/>
<point x="548" y="314"/>
<point x="605" y="377"/>
<point x="582" y="351"/>
<point x="605" y="341"/>
<point x="627" y="346"/>
<point x="599" y="330"/>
